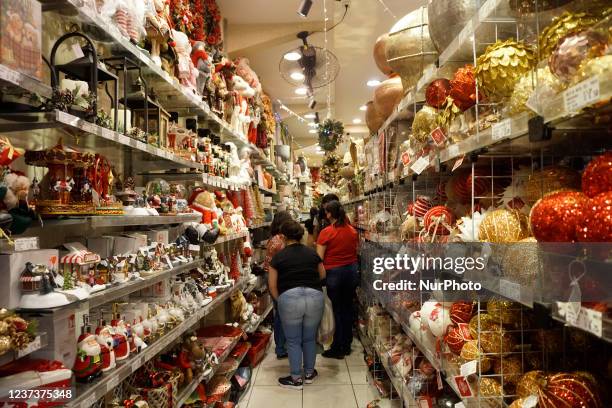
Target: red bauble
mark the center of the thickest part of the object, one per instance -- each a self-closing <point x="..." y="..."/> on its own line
<point x="557" y="215"/>
<point x="461" y="312"/>
<point x="456" y="337"/>
<point x="463" y="88"/>
<point x="436" y="92"/>
<point x="597" y="176"/>
<point x="421" y="206"/>
<point x="459" y="186"/>
<point x="441" y="196"/>
<point x="574" y="390"/>
<point x="436" y="218"/>
<point x="596" y="226"/>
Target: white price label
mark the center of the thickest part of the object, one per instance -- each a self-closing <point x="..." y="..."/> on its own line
<point x="458" y="163"/>
<point x="501" y="130"/>
<point x="406" y="171"/>
<point x="26" y="244"/>
<point x="509" y="289"/>
<point x="587" y="319"/>
<point x="112" y="383"/>
<point x="420" y="165"/>
<point x="133" y="143"/>
<point x="594" y="319"/>
<point x="581" y="95"/>
<point x="469" y="368"/>
<point x="530" y="402"/>
<point x="108" y="134"/>
<point x="89" y="127"/>
<point x="459" y="405"/>
<point x="453" y="151"/>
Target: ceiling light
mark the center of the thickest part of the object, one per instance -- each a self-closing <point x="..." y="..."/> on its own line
<point x="313" y="131"/>
<point x="292" y="56"/>
<point x="310" y="116"/>
<point x="312" y="124"/>
<point x="356" y="121"/>
<point x="297" y="76"/>
<point x="304" y="9"/>
<point x="373" y="82"/>
<point x="301" y="91"/>
<point x="363" y="108"/>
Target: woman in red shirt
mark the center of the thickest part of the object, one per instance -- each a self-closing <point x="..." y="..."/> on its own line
<point x="337" y="246"/>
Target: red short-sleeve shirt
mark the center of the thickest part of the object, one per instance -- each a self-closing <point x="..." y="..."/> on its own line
<point x="341" y="245"/>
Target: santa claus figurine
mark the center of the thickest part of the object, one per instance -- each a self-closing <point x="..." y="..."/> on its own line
<point x="121" y="346"/>
<point x="203" y="201"/>
<point x="88" y="363"/>
<point x="105" y="340"/>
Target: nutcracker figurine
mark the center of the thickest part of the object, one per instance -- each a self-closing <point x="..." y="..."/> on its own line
<point x="88" y="363"/>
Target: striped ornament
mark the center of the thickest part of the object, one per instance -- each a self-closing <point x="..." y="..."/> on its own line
<point x="421" y="206"/>
<point x="436" y="218"/>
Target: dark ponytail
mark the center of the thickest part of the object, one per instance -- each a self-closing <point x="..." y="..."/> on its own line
<point x="337" y="212"/>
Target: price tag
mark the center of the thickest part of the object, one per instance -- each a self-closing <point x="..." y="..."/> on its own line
<point x="586" y="319"/>
<point x="594" y="320"/>
<point x="108" y="134"/>
<point x="463" y="386"/>
<point x="168" y="261"/>
<point x="469" y="368"/>
<point x="77" y="51"/>
<point x="572" y="311"/>
<point x="458" y="163"/>
<point x="112" y="383"/>
<point x="530" y="402"/>
<point x="511" y="290"/>
<point x="31" y="347"/>
<point x="26" y="244"/>
<point x="581" y="95"/>
<point x="501" y="130"/>
<point x="420" y="165"/>
<point x="89" y="127"/>
<point x="439" y="380"/>
<point x="133" y="143"/>
<point x="438" y="136"/>
<point x="459" y="405"/>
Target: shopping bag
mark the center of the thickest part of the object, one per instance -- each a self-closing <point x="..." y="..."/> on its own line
<point x="325" y="335"/>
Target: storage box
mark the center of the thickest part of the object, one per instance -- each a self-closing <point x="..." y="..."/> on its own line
<point x="20" y="38"/>
<point x="123" y="245"/>
<point x="160" y="236"/>
<point x="101" y="245"/>
<point x="12" y="266"/>
<point x="259" y="343"/>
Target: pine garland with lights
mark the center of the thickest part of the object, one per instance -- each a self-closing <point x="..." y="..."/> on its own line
<point x="330" y="134"/>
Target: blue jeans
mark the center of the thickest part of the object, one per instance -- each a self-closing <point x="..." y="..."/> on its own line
<point x="341" y="285"/>
<point x="301" y="310"/>
<point x="279" y="335"/>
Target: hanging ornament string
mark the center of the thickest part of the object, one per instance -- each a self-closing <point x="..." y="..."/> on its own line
<point x="325" y="18"/>
<point x="387" y="10"/>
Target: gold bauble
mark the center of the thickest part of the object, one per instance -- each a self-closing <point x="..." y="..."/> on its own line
<point x="504" y="311"/>
<point x="424" y="122"/>
<point x="5" y="344"/>
<point x="548" y="86"/>
<point x="561" y="26"/>
<point x="550" y="179"/>
<point x="518" y="403"/>
<point x="497" y="342"/>
<point x="470" y="351"/>
<point x="503" y="226"/>
<point x="530" y="384"/>
<point x="487" y="324"/>
<point x="522" y="264"/>
<point x="510" y="368"/>
<point x="490" y="387"/>
<point x="599" y="66"/>
<point x="502" y="65"/>
<point x="4" y="327"/>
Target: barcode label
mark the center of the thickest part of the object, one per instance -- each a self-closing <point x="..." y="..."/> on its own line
<point x="581" y="95"/>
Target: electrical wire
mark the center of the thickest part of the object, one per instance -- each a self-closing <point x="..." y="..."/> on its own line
<point x="346" y="8"/>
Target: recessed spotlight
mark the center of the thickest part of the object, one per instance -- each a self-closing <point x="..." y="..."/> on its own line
<point x="297" y="76"/>
<point x="310" y="116"/>
<point x="373" y="82"/>
<point x="313" y="131"/>
<point x="312" y="124"/>
<point x="356" y="121"/>
<point x="363" y="108"/>
<point x="301" y="91"/>
<point x="292" y="56"/>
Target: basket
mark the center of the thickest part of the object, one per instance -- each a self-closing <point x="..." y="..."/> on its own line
<point x="164" y="396"/>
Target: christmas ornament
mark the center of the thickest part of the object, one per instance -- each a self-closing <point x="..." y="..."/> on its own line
<point x="424" y="122"/>
<point x="459" y="186"/>
<point x="463" y="88"/>
<point x="550" y="179"/>
<point x="461" y="312"/>
<point x="556" y="217"/>
<point x="561" y="26"/>
<point x="330" y="171"/>
<point x="503" y="226"/>
<point x="521" y="262"/>
<point x="379" y="55"/>
<point x="420" y="207"/>
<point x="530" y="383"/>
<point x="439" y="220"/>
<point x="548" y="86"/>
<point x="436" y="92"/>
<point x="497" y="341"/>
<point x="531" y="6"/>
<point x="439" y="320"/>
<point x="501" y="66"/>
<point x="441" y="196"/>
<point x="88" y="363"/>
<point x="572" y="390"/>
<point x="504" y="311"/>
<point x="483" y="322"/>
<point x="5" y="344"/>
<point x="330" y="135"/>
<point x="387" y="95"/>
<point x="374" y="119"/>
<point x="597" y="176"/>
<point x="600" y="67"/>
<point x="596" y="225"/>
<point x="471" y="351"/>
<point x="456" y="337"/>
<point x="510" y="368"/>
<point x="490" y="387"/>
<point x="469" y="227"/>
<point x="573" y="50"/>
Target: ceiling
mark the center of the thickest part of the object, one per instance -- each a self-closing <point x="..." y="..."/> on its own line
<point x="264" y="30"/>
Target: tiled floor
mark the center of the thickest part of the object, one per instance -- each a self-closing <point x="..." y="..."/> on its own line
<point x="340" y="384"/>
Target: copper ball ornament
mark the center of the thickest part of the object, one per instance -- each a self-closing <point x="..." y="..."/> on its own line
<point x="436" y="92"/>
<point x="379" y="55"/>
<point x="462" y="312"/>
<point x="556" y="217"/>
<point x="374" y="119"/>
<point x="597" y="176"/>
<point x="596" y="224"/>
<point x="463" y="88"/>
<point x="387" y="95"/>
<point x="503" y="226"/>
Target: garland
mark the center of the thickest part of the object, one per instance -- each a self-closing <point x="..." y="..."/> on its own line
<point x="330" y="134"/>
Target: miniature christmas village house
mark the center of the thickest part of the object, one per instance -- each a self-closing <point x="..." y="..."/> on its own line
<point x="33" y="276"/>
<point x="80" y="265"/>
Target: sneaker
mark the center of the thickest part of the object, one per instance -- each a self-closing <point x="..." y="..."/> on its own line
<point x="289" y="382"/>
<point x="282" y="356"/>
<point x="309" y="379"/>
<point x="333" y="354"/>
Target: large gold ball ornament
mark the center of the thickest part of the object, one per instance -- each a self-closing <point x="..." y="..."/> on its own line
<point x="424" y="122"/>
<point x="490" y="387"/>
<point x="483" y="322"/>
<point x="497" y="342"/>
<point x="504" y="311"/>
<point x="510" y="368"/>
<point x="470" y="351"/>
<point x="530" y="383"/>
<point x="550" y="179"/>
<point x="522" y="263"/>
<point x="503" y="226"/>
<point x="502" y="65"/>
<point x="561" y="26"/>
<point x="548" y="86"/>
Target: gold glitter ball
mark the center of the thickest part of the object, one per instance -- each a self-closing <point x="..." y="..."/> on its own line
<point x="471" y="351"/>
<point x="550" y="179"/>
<point x="530" y="384"/>
<point x="504" y="311"/>
<point x="521" y="262"/>
<point x="424" y="122"/>
<point x="490" y="387"/>
<point x="510" y="368"/>
<point x="504" y="226"/>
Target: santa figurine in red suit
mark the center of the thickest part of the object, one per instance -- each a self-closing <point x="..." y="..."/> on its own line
<point x="88" y="362"/>
<point x="105" y="340"/>
<point x="203" y="201"/>
<point x="120" y="340"/>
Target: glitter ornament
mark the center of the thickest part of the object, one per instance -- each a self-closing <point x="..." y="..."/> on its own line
<point x="436" y="92"/>
<point x="503" y="311"/>
<point x="439" y="220"/>
<point x="421" y="206"/>
<point x="572" y="390"/>
<point x="548" y="86"/>
<point x="459" y="186"/>
<point x="521" y="263"/>
<point x="461" y="312"/>
<point x="596" y="225"/>
<point x="503" y="226"/>
<point x="471" y="351"/>
<point x="597" y="176"/>
<point x="5" y="344"/>
<point x="456" y="338"/>
<point x="502" y="65"/>
<point x="497" y="341"/>
<point x="483" y="322"/>
<point x="510" y="368"/>
<point x="556" y="217"/>
<point x="490" y="387"/>
<point x="600" y="66"/>
<point x="531" y="383"/>
<point x="550" y="179"/>
<point x="566" y="60"/>
<point x="463" y="88"/>
<point x="424" y="122"/>
<point x="531" y="6"/>
<point x="561" y="26"/>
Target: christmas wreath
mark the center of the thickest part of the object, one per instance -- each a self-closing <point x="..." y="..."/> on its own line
<point x="330" y="134"/>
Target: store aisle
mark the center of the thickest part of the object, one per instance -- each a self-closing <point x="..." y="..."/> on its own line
<point x="340" y="384"/>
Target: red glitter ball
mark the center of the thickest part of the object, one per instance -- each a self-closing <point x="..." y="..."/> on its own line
<point x="461" y="312"/>
<point x="556" y="216"/>
<point x="463" y="88"/>
<point x="597" y="176"/>
<point x="596" y="225"/>
<point x="456" y="337"/>
<point x="436" y="92"/>
<point x="574" y="390"/>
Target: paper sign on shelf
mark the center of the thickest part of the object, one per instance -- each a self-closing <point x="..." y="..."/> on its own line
<point x="77" y="51"/>
<point x="581" y="95"/>
<point x="463" y="386"/>
<point x="501" y="129"/>
<point x="438" y="136"/>
<point x="420" y="165"/>
<point x="469" y="368"/>
<point x="26" y="244"/>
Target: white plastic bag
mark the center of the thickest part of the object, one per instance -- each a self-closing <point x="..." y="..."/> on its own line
<point x="325" y="335"/>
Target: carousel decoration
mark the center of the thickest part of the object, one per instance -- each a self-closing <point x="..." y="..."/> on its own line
<point x="330" y="135"/>
<point x="65" y="180"/>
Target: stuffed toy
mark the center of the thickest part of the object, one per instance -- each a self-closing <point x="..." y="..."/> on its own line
<point x="14" y="190"/>
<point x="187" y="72"/>
<point x="203" y="201"/>
<point x="157" y="27"/>
<point x="241" y="118"/>
<point x="246" y="170"/>
<point x="235" y="164"/>
<point x="203" y="63"/>
<point x="246" y="72"/>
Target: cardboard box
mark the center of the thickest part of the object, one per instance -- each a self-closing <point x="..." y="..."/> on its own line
<point x="124" y="245"/>
<point x="20" y="38"/>
<point x="141" y="239"/>
<point x="101" y="245"/>
<point x="11" y="267"/>
<point x="161" y="236"/>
